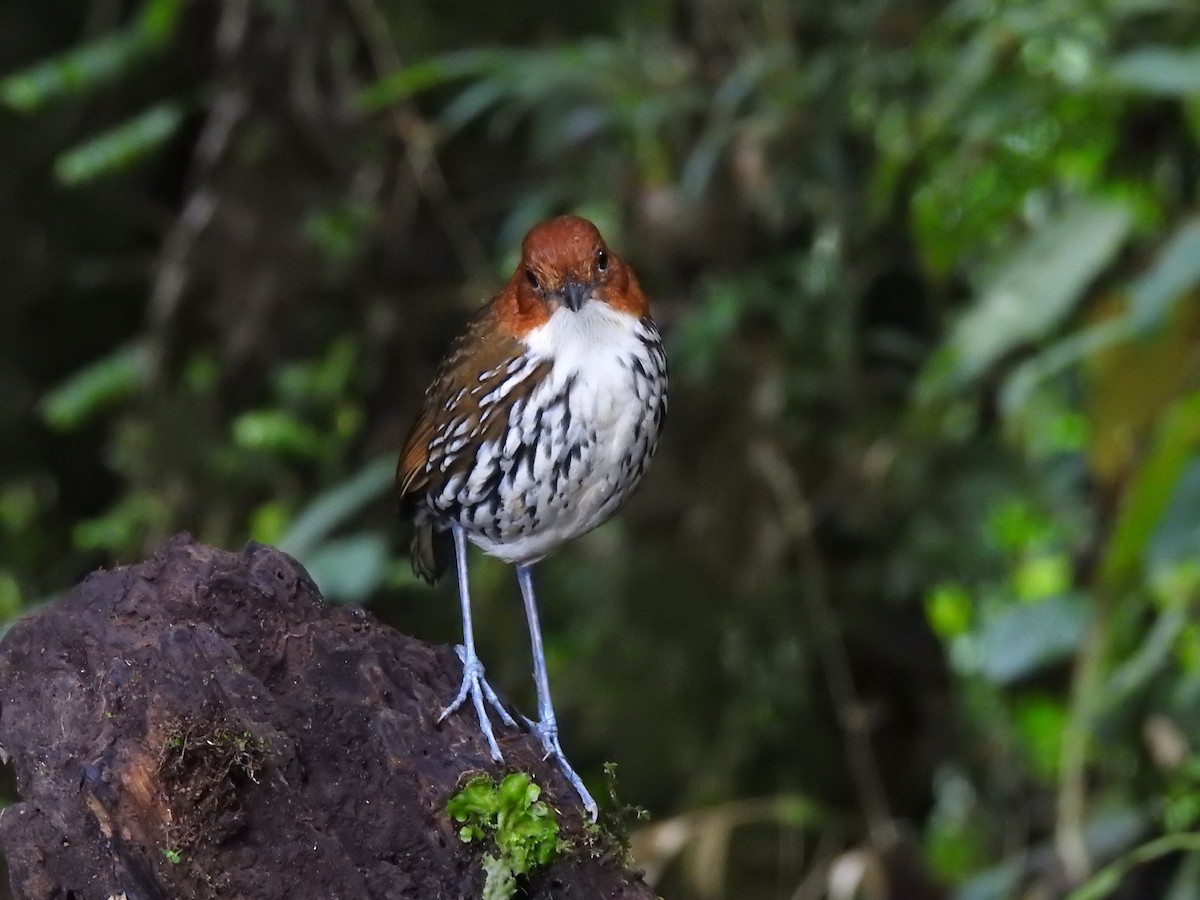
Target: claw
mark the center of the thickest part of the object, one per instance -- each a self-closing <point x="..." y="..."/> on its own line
<point x="547" y="733"/>
<point x="476" y="687"/>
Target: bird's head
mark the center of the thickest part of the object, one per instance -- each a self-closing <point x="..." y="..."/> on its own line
<point x="565" y="264"/>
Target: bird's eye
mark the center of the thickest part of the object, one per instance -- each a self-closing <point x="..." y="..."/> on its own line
<point x="532" y="279"/>
<point x="601" y="260"/>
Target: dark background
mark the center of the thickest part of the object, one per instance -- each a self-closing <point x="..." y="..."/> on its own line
<point x="908" y="593"/>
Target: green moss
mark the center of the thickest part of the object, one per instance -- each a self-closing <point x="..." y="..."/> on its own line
<point x="522" y="829"/>
<point x="614" y="830"/>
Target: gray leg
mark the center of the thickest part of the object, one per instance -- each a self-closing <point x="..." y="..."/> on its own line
<point x="547" y="727"/>
<point x="473" y="682"/>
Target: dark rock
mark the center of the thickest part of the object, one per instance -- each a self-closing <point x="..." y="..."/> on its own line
<point x="203" y="725"/>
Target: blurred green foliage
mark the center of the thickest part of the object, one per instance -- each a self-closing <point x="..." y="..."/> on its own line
<point x="919" y="553"/>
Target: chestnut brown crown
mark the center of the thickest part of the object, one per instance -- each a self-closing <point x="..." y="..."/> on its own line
<point x="564" y="263"/>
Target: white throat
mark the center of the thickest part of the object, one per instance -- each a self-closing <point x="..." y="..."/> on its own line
<point x="577" y="341"/>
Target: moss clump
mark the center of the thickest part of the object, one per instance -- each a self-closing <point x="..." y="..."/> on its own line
<point x="203" y="767"/>
<point x="614" y="830"/>
<point x="522" y="829"/>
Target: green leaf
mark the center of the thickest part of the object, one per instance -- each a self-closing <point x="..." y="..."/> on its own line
<point x="1107" y="833"/>
<point x="268" y="522"/>
<point x="349" y="569"/>
<point x="93" y="65"/>
<point x="1020" y="388"/>
<point x="276" y="431"/>
<point x="1174" y="444"/>
<point x="324" y="379"/>
<point x="1023" y="638"/>
<point x="1040" y="721"/>
<point x="86" y="68"/>
<point x="1175" y="540"/>
<point x="335" y="506"/>
<point x="948" y="609"/>
<point x="1152" y="655"/>
<point x="708" y="327"/>
<point x="1185" y="885"/>
<point x="1176" y="270"/>
<point x="514" y="790"/>
<point x="1031" y="292"/>
<point x="10" y="596"/>
<point x="158" y="20"/>
<point x="476" y="800"/>
<point x="1015" y="525"/>
<point x="125" y="525"/>
<point x="428" y="73"/>
<point x="119" y="147"/>
<point x="95" y="388"/>
<point x="1181" y="812"/>
<point x="1106" y="881"/>
<point x="338" y="231"/>
<point x="1152" y="298"/>
<point x="1158" y="70"/>
<point x="1042" y="575"/>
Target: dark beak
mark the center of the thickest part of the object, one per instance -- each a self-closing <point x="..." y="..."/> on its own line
<point x="575" y="294"/>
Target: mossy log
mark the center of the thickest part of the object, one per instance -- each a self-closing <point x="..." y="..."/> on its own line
<point x="204" y="725"/>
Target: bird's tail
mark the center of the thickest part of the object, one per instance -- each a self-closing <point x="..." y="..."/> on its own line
<point x="432" y="551"/>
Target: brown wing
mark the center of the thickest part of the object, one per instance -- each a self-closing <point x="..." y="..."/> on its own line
<point x="477" y="349"/>
<point x="476" y="362"/>
<point x="411" y="476"/>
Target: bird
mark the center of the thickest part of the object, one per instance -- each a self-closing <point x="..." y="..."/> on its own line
<point x="538" y="425"/>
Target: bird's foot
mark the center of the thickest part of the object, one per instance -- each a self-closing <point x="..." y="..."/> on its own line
<point x="476" y="687"/>
<point x="547" y="733"/>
